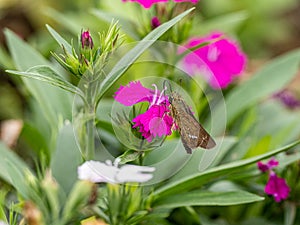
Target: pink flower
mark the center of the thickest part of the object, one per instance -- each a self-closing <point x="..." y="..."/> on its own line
<point x="148" y="3"/>
<point x="155" y="122"/>
<point x="86" y="40"/>
<point x="277" y="187"/>
<point x="264" y="167"/>
<point x="219" y="62"/>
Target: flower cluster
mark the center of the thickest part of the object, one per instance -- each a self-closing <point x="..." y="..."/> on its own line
<point x="276" y="186"/>
<point x="156" y="120"/>
<point x="219" y="62"/>
<point x="109" y="172"/>
<point x="86" y="56"/>
<point x="78" y="63"/>
<point x="148" y="3"/>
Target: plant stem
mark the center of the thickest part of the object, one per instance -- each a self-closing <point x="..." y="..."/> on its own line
<point x="90" y="112"/>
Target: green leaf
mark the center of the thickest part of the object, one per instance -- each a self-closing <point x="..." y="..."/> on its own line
<point x="54" y="103"/>
<point x="59" y="39"/>
<point x="66" y="159"/>
<point x="128" y="26"/>
<point x="207" y="198"/>
<point x="77" y="199"/>
<point x="46" y="74"/>
<point x="228" y="22"/>
<point x="196" y="180"/>
<point x="13" y="170"/>
<point x="200" y="159"/>
<point x="127" y="60"/>
<point x="290" y="212"/>
<point x="64" y="19"/>
<point x="270" y="79"/>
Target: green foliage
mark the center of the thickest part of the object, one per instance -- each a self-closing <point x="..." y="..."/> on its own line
<point x="67" y="151"/>
<point x="270" y="79"/>
<point x="182" y="186"/>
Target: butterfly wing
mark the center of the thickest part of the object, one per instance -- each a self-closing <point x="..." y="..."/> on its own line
<point x="192" y="134"/>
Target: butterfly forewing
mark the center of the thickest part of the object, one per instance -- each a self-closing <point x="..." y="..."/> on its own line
<point x="192" y="134"/>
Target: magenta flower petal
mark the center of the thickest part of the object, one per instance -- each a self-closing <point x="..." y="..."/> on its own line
<point x="133" y="93"/>
<point x="157" y="126"/>
<point x="219" y="62"/>
<point x="277" y="187"/>
<point x="192" y="1"/>
<point x="154" y="122"/>
<point x="264" y="167"/>
<point x="148" y="3"/>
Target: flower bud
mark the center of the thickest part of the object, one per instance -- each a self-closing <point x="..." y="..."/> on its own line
<point x="86" y="40"/>
<point x="155" y="22"/>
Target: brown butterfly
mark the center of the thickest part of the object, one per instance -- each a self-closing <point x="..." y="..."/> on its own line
<point x="192" y="134"/>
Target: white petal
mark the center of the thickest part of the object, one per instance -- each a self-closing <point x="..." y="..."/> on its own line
<point x="133" y="173"/>
<point x="97" y="172"/>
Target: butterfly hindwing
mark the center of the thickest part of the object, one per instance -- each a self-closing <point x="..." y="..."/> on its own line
<point x="192" y="134"/>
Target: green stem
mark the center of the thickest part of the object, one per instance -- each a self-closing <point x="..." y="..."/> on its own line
<point x="90" y="147"/>
<point x="90" y="112"/>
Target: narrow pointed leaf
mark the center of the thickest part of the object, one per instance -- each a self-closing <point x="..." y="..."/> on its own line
<point x="134" y="53"/>
<point x="55" y="103"/>
<point x="46" y="74"/>
<point x="196" y="180"/>
<point x="66" y="158"/>
<point x="207" y="198"/>
<point x="12" y="170"/>
<point x="59" y="39"/>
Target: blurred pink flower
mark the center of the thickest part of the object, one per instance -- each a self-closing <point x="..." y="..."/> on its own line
<point x="155" y="22"/>
<point x="288" y="98"/>
<point x="264" y="167"/>
<point x="277" y="187"/>
<point x="148" y="3"/>
<point x="109" y="172"/>
<point x="156" y="120"/>
<point x="219" y="62"/>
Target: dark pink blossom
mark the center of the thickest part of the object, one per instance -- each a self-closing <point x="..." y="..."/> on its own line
<point x="86" y="40"/>
<point x="156" y="120"/>
<point x="219" y="62"/>
<point x="148" y="3"/>
<point x="155" y="22"/>
<point x="277" y="187"/>
<point x="264" y="167"/>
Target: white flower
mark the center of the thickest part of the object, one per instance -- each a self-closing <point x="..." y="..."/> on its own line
<point x="2" y="222"/>
<point x="109" y="172"/>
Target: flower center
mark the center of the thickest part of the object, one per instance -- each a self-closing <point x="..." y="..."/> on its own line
<point x="158" y="99"/>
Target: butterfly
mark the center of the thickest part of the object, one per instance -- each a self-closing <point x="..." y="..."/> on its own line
<point x="192" y="134"/>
